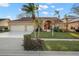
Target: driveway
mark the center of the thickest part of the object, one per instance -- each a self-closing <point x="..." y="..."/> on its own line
<point x="11" y="42"/>
<point x="14" y="34"/>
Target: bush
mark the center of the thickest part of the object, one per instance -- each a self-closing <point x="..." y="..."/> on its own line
<point x="56" y="29"/>
<point x="4" y="29"/>
<point x="39" y="29"/>
<point x="30" y="44"/>
<point x="77" y="30"/>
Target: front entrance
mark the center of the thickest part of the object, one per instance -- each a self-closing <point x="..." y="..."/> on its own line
<point x="47" y="25"/>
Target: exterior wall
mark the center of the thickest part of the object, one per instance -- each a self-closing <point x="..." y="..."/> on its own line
<point x="53" y="23"/>
<point x="43" y="23"/>
<point x="74" y="25"/>
<point x="61" y="25"/>
<point x="4" y="23"/>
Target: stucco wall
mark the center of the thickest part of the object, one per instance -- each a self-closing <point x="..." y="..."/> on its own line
<point x="4" y="23"/>
<point x="73" y="24"/>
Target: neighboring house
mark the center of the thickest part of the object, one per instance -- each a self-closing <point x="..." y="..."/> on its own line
<point x="74" y="24"/>
<point x="4" y="24"/>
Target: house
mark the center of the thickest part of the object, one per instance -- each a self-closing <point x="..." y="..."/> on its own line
<point x="26" y="24"/>
<point x="4" y="23"/>
<point x="47" y="23"/>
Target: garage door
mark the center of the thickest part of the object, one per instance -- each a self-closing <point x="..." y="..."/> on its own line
<point x="17" y="28"/>
<point x="30" y="27"/>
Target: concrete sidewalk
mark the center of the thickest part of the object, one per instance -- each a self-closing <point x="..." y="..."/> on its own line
<point x="48" y="39"/>
<point x="39" y="53"/>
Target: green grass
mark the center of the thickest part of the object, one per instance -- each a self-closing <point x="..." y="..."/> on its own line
<point x="58" y="35"/>
<point x="43" y="34"/>
<point x="62" y="45"/>
<point x="65" y="35"/>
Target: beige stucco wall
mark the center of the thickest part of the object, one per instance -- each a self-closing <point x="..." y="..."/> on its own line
<point x="4" y="23"/>
<point x="73" y="24"/>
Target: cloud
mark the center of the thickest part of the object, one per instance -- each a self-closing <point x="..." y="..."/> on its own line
<point x="59" y="9"/>
<point x="39" y="8"/>
<point x="4" y="4"/>
<point x="43" y="7"/>
<point x="19" y="9"/>
<point x="45" y="12"/>
<point x="53" y="6"/>
<point x="8" y="17"/>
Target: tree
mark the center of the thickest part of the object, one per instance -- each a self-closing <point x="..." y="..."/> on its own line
<point x="56" y="24"/>
<point x="66" y="21"/>
<point x="21" y="15"/>
<point x="57" y="13"/>
<point x="75" y="9"/>
<point x="31" y="8"/>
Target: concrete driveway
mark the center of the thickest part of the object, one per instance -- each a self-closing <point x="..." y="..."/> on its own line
<point x="14" y="34"/>
<point x="11" y="42"/>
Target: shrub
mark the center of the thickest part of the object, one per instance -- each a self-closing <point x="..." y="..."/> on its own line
<point x="56" y="29"/>
<point x="39" y="29"/>
<point x="77" y="30"/>
<point x="4" y="29"/>
<point x="30" y="44"/>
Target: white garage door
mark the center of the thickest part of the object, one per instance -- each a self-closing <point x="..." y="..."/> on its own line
<point x="17" y="28"/>
<point x="30" y="27"/>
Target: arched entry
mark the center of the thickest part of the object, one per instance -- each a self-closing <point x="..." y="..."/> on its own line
<point x="47" y="25"/>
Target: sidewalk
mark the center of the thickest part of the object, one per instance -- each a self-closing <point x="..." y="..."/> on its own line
<point x="48" y="39"/>
<point x="39" y="53"/>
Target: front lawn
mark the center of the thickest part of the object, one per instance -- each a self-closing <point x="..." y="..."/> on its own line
<point x="59" y="35"/>
<point x="43" y="34"/>
<point x="62" y="45"/>
<point x="65" y="35"/>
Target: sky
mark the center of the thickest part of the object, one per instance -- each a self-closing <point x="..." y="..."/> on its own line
<point x="12" y="10"/>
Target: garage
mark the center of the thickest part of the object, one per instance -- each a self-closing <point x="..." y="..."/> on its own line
<point x="21" y="25"/>
<point x="30" y="28"/>
<point x="22" y="28"/>
<point x="17" y="28"/>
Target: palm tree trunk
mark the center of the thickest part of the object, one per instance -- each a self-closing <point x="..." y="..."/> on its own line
<point x="66" y="24"/>
<point x="33" y="17"/>
<point x="34" y="32"/>
<point x="38" y="31"/>
<point x="38" y="22"/>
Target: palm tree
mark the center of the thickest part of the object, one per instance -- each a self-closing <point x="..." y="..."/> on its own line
<point x="38" y="22"/>
<point x="31" y="8"/>
<point x="75" y="8"/>
<point x="66" y="21"/>
<point x="57" y="13"/>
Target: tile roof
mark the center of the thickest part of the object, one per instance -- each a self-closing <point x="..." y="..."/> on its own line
<point x="3" y="19"/>
<point x="41" y="18"/>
